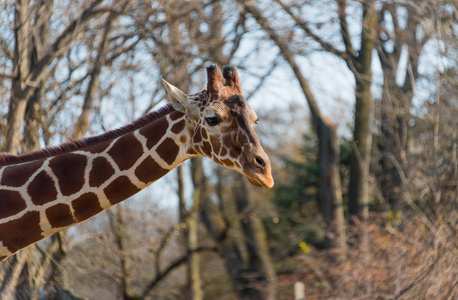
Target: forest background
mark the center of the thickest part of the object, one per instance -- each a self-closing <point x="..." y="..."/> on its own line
<point x="358" y="106"/>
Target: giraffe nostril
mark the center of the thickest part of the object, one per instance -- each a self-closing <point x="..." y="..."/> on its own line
<point x="260" y="161"/>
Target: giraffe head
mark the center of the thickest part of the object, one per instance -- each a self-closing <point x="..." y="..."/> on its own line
<point x="222" y="125"/>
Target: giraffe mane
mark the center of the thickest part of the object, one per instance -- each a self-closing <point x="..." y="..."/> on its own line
<point x="9" y="159"/>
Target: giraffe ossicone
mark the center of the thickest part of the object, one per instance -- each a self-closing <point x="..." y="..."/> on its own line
<point x="52" y="189"/>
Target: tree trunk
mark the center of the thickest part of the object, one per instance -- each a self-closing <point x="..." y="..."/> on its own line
<point x="362" y="135"/>
<point x="192" y="220"/>
<point x="180" y="78"/>
<point x="25" y="107"/>
<point x="117" y="224"/>
<point x="260" y="268"/>
<point x="393" y="140"/>
<point x="21" y="69"/>
<point x="11" y="273"/>
<point x="218" y="228"/>
<point x="40" y="42"/>
<point x="396" y="102"/>
<point x="50" y="272"/>
<point x="330" y="185"/>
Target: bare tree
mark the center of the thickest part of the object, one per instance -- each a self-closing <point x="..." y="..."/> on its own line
<point x="330" y="186"/>
<point x="36" y="54"/>
<point x="361" y="66"/>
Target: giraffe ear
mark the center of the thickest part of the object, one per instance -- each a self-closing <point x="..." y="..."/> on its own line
<point x="176" y="97"/>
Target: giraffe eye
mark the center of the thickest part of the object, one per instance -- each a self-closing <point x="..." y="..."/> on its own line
<point x="212" y="121"/>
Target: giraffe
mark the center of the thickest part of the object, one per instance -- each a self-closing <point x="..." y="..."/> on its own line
<point x="47" y="191"/>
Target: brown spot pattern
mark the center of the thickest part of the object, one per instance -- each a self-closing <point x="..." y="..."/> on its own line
<point x="120" y="189"/>
<point x="168" y="150"/>
<point x="227" y="162"/>
<point x="98" y="148"/>
<point x="176" y="115"/>
<point x="223" y="152"/>
<point x="235" y="152"/>
<point x="22" y="232"/>
<point x="60" y="215"/>
<point x="42" y="189"/>
<point x="204" y="133"/>
<point x="69" y="170"/>
<point x="228" y="140"/>
<point x="18" y="175"/>
<point x="101" y="171"/>
<point x="192" y="151"/>
<point x="216" y="144"/>
<point x="126" y="151"/>
<point x="154" y="132"/>
<point x="197" y="137"/>
<point x="86" y="206"/>
<point x="216" y="159"/>
<point x="206" y="148"/>
<point x="178" y="127"/>
<point x="149" y="171"/>
<point x="11" y="203"/>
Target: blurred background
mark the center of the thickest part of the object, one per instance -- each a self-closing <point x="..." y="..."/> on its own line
<point x="358" y="106"/>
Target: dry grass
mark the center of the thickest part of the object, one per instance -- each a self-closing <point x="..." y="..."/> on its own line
<point x="409" y="261"/>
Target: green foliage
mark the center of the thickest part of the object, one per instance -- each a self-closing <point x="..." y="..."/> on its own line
<point x="296" y="199"/>
<point x="302" y="185"/>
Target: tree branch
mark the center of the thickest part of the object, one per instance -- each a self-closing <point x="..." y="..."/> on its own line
<point x="152" y="284"/>
<point x="6" y="49"/>
<point x="262" y="79"/>
<point x="419" y="278"/>
<point x="82" y="124"/>
<point x="66" y="38"/>
<point x="4" y="75"/>
<point x="341" y="6"/>
<point x="302" y="24"/>
<point x="287" y="55"/>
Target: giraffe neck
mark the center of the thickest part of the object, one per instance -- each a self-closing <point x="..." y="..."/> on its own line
<point x="54" y="189"/>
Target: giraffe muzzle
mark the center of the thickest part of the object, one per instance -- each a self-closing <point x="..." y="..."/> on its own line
<point x="261" y="173"/>
<point x="266" y="182"/>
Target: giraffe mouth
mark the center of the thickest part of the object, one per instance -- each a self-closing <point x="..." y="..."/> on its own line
<point x="260" y="180"/>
